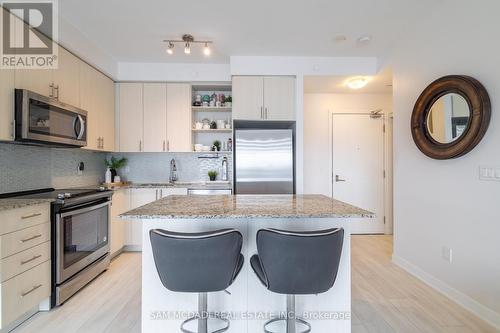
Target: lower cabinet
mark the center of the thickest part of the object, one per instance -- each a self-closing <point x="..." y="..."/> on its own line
<point x="120" y="204"/>
<point x="140" y="197"/>
<point x="25" y="269"/>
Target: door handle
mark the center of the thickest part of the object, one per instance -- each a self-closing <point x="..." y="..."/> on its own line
<point x="338" y="179"/>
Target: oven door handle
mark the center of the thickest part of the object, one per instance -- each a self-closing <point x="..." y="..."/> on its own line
<point x="79" y="133"/>
<point x="84" y="210"/>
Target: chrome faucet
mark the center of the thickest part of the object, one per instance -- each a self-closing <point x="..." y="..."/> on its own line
<point x="173" y="171"/>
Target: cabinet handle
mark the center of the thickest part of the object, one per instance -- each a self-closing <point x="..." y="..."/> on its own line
<point x="140" y="145"/>
<point x="30" y="216"/>
<point x="31" y="238"/>
<point x="51" y="86"/>
<point x="56" y="88"/>
<point x="168" y="145"/>
<point x="265" y="113"/>
<point x="24" y="262"/>
<point x="102" y="142"/>
<point x="261" y="112"/>
<point x="163" y="145"/>
<point x="31" y="290"/>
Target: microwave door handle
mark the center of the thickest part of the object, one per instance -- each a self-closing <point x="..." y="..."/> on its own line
<point x="79" y="134"/>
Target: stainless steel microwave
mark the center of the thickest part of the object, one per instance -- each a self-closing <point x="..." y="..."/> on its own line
<point x="45" y="120"/>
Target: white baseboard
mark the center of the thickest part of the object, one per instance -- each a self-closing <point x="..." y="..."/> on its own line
<point x="462" y="299"/>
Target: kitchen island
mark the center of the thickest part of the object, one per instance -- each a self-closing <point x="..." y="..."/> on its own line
<point x="249" y="304"/>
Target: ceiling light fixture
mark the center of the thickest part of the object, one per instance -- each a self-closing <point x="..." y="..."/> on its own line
<point x="357" y="82"/>
<point x="206" y="50"/>
<point x="170" y="48"/>
<point x="188" y="41"/>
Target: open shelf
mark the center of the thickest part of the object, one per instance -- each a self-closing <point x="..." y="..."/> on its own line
<point x="225" y="130"/>
<point x="212" y="108"/>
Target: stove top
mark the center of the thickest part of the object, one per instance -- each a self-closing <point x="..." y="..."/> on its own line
<point x="61" y="196"/>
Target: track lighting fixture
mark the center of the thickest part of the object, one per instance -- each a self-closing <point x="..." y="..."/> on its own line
<point x="188" y="41"/>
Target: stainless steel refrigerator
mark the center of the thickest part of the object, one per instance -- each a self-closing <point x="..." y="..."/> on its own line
<point x="264" y="157"/>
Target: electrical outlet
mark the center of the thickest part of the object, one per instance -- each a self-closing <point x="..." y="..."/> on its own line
<point x="80" y="168"/>
<point x="489" y="173"/>
<point x="447" y="254"/>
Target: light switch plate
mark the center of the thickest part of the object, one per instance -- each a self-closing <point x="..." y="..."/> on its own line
<point x="489" y="173"/>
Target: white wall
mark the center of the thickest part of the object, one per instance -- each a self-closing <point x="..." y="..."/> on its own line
<point x="174" y="72"/>
<point x="443" y="203"/>
<point x="317" y="110"/>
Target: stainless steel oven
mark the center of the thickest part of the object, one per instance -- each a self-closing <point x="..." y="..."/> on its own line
<point x="44" y="120"/>
<point x="82" y="238"/>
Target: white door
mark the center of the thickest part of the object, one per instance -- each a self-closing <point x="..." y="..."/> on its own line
<point x="179" y="114"/>
<point x="279" y="98"/>
<point x="358" y="167"/>
<point x="155" y="117"/>
<point x="248" y="97"/>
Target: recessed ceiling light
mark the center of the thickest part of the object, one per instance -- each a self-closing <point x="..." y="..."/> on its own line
<point x="357" y="82"/>
<point x="364" y="39"/>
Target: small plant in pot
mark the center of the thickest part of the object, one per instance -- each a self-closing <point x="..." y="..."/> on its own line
<point x="114" y="164"/>
<point x="216" y="145"/>
<point x="228" y="101"/>
<point x="212" y="175"/>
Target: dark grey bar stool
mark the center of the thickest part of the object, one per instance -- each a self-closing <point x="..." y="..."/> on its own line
<point x="297" y="263"/>
<point x="198" y="263"/>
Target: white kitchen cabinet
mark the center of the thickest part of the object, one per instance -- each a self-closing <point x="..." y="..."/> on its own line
<point x="179" y="124"/>
<point x="65" y="78"/>
<point x="248" y="97"/>
<point x="36" y="80"/>
<point x="155" y="117"/>
<point x="263" y="98"/>
<point x="120" y="204"/>
<point x="173" y="191"/>
<point x="106" y="102"/>
<point x="138" y="197"/>
<point x="131" y="117"/>
<point x="279" y="98"/>
<point x="6" y="104"/>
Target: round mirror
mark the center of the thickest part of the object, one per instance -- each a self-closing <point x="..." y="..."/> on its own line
<point x="448" y="118"/>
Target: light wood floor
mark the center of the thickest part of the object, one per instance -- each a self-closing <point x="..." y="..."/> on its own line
<point x="386" y="299"/>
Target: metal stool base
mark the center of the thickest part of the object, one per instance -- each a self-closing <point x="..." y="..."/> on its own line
<point x="297" y="320"/>
<point x="210" y="316"/>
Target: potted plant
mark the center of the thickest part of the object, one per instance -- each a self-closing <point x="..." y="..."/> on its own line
<point x="216" y="145"/>
<point x="212" y="175"/>
<point x="228" y="101"/>
<point x="114" y="164"/>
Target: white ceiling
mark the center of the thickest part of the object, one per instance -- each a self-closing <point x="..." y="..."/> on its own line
<point x="132" y="30"/>
<point x="378" y="84"/>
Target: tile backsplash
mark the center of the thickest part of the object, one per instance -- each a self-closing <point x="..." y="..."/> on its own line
<point x="32" y="167"/>
<point x="155" y="167"/>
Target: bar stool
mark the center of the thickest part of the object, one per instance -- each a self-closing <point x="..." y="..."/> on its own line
<point x="198" y="263"/>
<point x="297" y="263"/>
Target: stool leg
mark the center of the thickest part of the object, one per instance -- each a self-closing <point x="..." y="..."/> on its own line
<point x="290" y="314"/>
<point x="203" y="313"/>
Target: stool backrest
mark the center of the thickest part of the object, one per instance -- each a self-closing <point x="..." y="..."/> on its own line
<point x="297" y="263"/>
<point x="196" y="262"/>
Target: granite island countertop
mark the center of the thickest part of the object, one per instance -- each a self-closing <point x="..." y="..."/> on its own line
<point x="246" y="206"/>
<point x="12" y="203"/>
<point x="188" y="185"/>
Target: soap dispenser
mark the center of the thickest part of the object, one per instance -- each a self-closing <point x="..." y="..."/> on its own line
<point x="224" y="169"/>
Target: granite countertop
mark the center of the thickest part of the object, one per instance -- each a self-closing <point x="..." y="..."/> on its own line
<point x="6" y="204"/>
<point x="188" y="185"/>
<point x="246" y="206"/>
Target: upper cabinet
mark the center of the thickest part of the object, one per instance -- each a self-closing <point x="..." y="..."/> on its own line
<point x="6" y="104"/>
<point x="263" y="98"/>
<point x="131" y="117"/>
<point x="154" y="117"/>
<point x="179" y="117"/>
<point x="97" y="97"/>
<point x="65" y="78"/>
